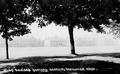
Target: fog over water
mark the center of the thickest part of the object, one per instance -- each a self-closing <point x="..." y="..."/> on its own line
<point x="52" y="34"/>
<point x="54" y="40"/>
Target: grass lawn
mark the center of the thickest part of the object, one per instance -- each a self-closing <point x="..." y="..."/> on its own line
<point x="61" y="65"/>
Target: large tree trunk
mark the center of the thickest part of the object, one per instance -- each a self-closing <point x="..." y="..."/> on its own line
<point x="6" y="42"/>
<point x="70" y="29"/>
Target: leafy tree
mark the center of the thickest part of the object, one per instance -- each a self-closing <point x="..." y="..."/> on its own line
<point x="115" y="19"/>
<point x="114" y="28"/>
<point x="86" y="14"/>
<point x="13" y="19"/>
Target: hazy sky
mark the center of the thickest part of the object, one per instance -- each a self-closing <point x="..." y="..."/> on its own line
<point x="62" y="32"/>
<point x="53" y="31"/>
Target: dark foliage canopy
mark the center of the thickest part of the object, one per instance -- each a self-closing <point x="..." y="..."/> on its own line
<point x="86" y="14"/>
<point x="13" y="18"/>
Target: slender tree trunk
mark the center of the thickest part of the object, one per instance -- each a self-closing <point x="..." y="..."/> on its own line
<point x="6" y="42"/>
<point x="70" y="29"/>
<point x="7" y="52"/>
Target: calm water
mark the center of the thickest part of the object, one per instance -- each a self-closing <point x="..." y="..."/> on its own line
<point x="16" y="52"/>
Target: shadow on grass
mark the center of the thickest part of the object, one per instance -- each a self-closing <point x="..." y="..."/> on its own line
<point x="38" y="62"/>
<point x="100" y="67"/>
<point x="42" y="58"/>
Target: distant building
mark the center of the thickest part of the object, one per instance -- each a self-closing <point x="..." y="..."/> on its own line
<point x="59" y="43"/>
<point x="55" y="42"/>
<point x="85" y="42"/>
